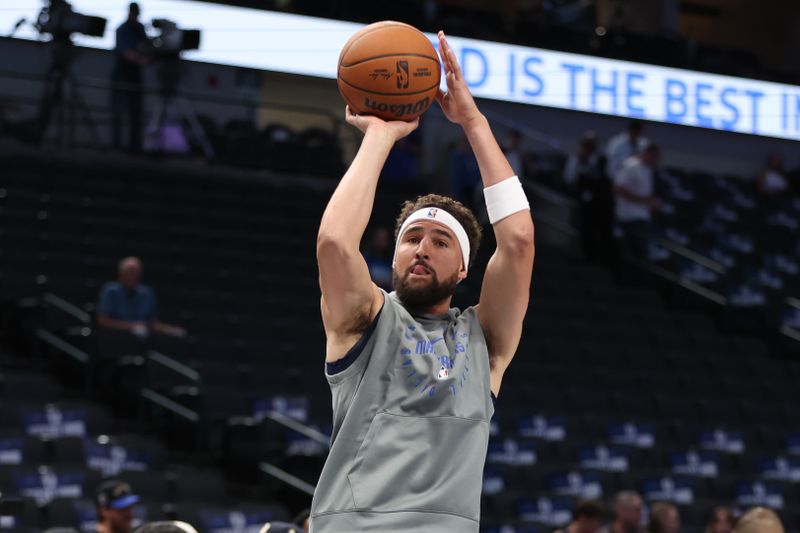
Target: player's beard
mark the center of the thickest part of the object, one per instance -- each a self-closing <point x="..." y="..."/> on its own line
<point x="422" y="295"/>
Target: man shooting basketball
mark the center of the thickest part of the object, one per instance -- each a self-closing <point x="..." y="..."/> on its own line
<point x="413" y="380"/>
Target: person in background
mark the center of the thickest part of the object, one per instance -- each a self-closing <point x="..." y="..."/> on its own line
<point x="584" y="175"/>
<point x="759" y="520"/>
<point x="628" y="509"/>
<point x="129" y="305"/>
<point x="635" y="200"/>
<point x="464" y="175"/>
<point x="721" y="520"/>
<point x="623" y="146"/>
<point x="664" y="518"/>
<point x="115" y="500"/>
<point x="378" y="255"/>
<point x="513" y="150"/>
<point x="772" y="179"/>
<point x="126" y="79"/>
<point x="402" y="165"/>
<point x="588" y="516"/>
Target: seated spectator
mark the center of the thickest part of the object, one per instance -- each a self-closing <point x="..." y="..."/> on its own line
<point x="115" y="500"/>
<point x="628" y="507"/>
<point x="129" y="305"/>
<point x="772" y="180"/>
<point x="635" y="200"/>
<point x="519" y="160"/>
<point x="584" y="174"/>
<point x="587" y="517"/>
<point x="721" y="520"/>
<point x="623" y="146"/>
<point x="759" y="520"/>
<point x="378" y="255"/>
<point x="664" y="518"/>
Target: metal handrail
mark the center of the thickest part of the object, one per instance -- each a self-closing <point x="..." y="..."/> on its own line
<point x="526" y="130"/>
<point x="169" y="404"/>
<point x="298" y="427"/>
<point x="63" y="346"/>
<point x="696" y="288"/>
<point x="74" y="353"/>
<point x="287" y="478"/>
<point x="108" y="85"/>
<point x="692" y="255"/>
<point x="66" y="307"/>
<point x="176" y="366"/>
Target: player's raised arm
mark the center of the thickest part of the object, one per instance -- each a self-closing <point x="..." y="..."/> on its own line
<point x="350" y="301"/>
<point x="506" y="283"/>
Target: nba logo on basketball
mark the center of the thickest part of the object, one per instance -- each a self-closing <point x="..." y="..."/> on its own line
<point x="402" y="74"/>
<point x="432" y="213"/>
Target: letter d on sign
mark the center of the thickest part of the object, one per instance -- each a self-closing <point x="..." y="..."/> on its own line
<point x="473" y="60"/>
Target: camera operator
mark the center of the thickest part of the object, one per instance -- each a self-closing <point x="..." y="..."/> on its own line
<point x="126" y="78"/>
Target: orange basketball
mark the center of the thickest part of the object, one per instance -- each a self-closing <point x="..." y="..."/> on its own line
<point x="390" y="70"/>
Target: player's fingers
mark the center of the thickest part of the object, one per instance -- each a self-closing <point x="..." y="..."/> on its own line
<point x="349" y="117"/>
<point x="454" y="66"/>
<point x="443" y="49"/>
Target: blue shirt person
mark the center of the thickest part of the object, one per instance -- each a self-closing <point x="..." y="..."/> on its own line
<point x="129" y="305"/>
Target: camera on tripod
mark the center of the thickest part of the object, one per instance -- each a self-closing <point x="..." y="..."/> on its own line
<point x="172" y="40"/>
<point x="59" y="20"/>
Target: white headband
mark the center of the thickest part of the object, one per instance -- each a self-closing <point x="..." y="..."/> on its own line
<point x="440" y="216"/>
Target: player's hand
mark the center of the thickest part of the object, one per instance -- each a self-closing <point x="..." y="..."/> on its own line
<point x="457" y="103"/>
<point x="394" y="129"/>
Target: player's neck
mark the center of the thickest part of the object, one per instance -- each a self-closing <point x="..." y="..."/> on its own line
<point x="441" y="308"/>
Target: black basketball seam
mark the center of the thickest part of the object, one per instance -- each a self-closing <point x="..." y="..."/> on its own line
<point x="342" y="65"/>
<point x="386" y="94"/>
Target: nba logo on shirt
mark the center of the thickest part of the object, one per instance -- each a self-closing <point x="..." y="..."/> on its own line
<point x="432" y="212"/>
<point x="444" y="372"/>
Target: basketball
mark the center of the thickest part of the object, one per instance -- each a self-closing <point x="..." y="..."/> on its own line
<point x="390" y="70"/>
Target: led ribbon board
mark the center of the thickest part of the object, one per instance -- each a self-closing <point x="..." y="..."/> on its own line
<point x="310" y="46"/>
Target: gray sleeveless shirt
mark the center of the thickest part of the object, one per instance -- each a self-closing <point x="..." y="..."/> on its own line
<point x="410" y="428"/>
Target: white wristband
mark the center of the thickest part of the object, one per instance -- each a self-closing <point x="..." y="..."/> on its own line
<point x="504" y="199"/>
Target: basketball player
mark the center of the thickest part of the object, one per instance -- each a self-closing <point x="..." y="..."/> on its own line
<point x="413" y="380"/>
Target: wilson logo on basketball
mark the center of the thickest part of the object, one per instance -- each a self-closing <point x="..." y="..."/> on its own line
<point x="398" y="110"/>
<point x="402" y="74"/>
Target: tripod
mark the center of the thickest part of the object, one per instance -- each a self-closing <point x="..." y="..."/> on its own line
<point x="59" y="73"/>
<point x="168" y="71"/>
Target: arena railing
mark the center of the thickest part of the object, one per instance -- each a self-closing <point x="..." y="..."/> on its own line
<point x="787" y="330"/>
<point x="279" y="475"/>
<point x="285" y="477"/>
<point x="229" y="107"/>
<point x="47" y="342"/>
<point x="150" y="399"/>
